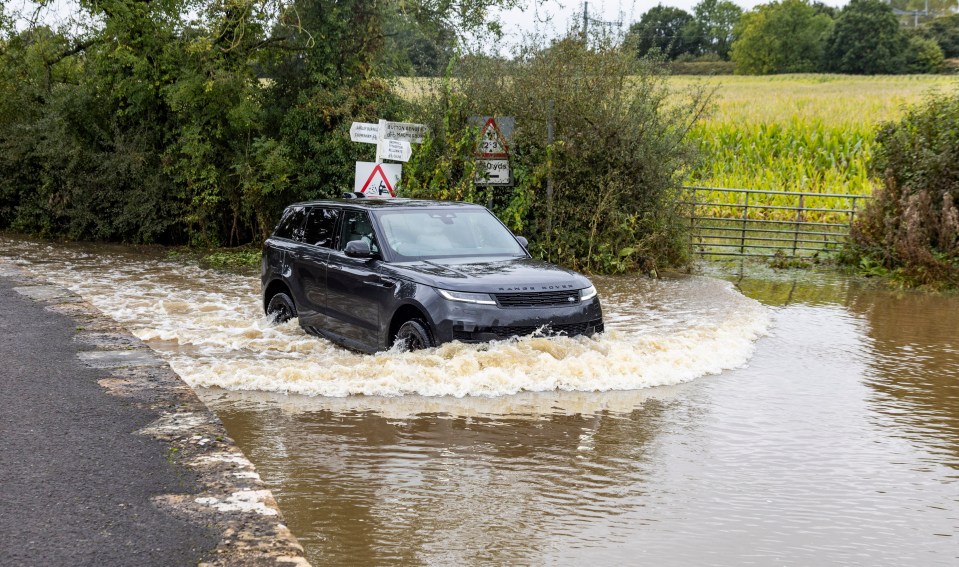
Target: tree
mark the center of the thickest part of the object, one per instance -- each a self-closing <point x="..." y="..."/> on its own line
<point x="780" y="37"/>
<point x="715" y="20"/>
<point x="945" y="31"/>
<point x="667" y="30"/>
<point x="866" y="40"/>
<point x="923" y="55"/>
<point x="826" y="9"/>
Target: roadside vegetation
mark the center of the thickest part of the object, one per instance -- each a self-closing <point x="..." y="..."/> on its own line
<point x="197" y="122"/>
<point x="600" y="150"/>
<point x="910" y="230"/>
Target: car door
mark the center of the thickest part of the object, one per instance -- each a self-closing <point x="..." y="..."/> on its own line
<point x="358" y="291"/>
<point x="320" y="233"/>
<point x="283" y="248"/>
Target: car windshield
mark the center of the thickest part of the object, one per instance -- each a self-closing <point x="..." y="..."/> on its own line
<point x="418" y="234"/>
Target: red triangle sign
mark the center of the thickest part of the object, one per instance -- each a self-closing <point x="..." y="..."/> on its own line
<point x="492" y="144"/>
<point x="378" y="184"/>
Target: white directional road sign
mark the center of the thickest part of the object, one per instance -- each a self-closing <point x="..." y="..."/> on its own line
<point x="493" y="172"/>
<point x="396" y="150"/>
<point x="406" y="131"/>
<point x="365" y="132"/>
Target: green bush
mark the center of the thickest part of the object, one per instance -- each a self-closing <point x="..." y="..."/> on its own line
<point x="600" y="195"/>
<point x="912" y="224"/>
<point x="923" y="55"/>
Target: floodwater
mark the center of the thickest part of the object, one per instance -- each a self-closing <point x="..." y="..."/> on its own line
<point x="766" y="418"/>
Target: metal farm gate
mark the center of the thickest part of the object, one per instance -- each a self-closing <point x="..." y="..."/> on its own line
<point x="751" y="222"/>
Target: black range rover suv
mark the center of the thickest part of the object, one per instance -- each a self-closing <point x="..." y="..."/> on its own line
<point x="366" y="273"/>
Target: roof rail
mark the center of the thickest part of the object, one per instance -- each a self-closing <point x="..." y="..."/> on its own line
<point x="353" y="195"/>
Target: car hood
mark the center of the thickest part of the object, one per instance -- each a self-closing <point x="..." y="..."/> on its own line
<point x="514" y="275"/>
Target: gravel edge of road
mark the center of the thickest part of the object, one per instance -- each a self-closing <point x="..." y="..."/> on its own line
<point x="230" y="498"/>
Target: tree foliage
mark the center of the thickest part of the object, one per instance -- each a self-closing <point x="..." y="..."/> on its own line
<point x="716" y="21"/>
<point x="197" y="120"/>
<point x="922" y="55"/>
<point x="595" y="182"/>
<point x="665" y="30"/>
<point x="866" y="40"/>
<point x="781" y="37"/>
<point x="945" y="32"/>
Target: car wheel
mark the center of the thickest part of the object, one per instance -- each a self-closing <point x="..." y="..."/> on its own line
<point x="414" y="335"/>
<point x="281" y="308"/>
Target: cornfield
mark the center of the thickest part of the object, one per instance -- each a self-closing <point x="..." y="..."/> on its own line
<point x="810" y="133"/>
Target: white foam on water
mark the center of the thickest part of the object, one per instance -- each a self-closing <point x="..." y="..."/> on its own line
<point x="210" y="327"/>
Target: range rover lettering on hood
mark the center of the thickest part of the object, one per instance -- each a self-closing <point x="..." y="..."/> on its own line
<point x="537" y="288"/>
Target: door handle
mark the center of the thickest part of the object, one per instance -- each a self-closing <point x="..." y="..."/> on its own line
<point x="380" y="282"/>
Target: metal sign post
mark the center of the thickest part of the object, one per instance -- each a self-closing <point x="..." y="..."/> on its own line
<point x="393" y="142"/>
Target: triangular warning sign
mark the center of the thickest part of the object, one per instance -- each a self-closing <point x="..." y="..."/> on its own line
<point x="492" y="144"/>
<point x="378" y="184"/>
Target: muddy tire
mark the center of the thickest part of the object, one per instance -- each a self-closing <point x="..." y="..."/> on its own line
<point x="414" y="335"/>
<point x="281" y="308"/>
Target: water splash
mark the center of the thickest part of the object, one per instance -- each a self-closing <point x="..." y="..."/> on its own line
<point x="210" y="327"/>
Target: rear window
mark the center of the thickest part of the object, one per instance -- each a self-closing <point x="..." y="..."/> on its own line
<point x="291" y="225"/>
<point x="321" y="227"/>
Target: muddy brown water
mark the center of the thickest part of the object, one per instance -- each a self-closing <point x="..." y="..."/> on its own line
<point x="757" y="418"/>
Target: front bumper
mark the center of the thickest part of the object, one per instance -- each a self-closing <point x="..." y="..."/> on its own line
<point x="472" y="323"/>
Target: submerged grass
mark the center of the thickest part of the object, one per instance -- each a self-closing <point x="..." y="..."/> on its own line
<point x="242" y="259"/>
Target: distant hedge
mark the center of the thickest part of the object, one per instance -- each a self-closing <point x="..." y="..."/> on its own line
<point x="702" y="67"/>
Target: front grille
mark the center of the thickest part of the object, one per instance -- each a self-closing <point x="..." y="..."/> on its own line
<point x="538" y="299"/>
<point x="505" y="332"/>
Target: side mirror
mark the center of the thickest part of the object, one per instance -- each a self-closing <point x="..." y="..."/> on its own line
<point x="358" y="249"/>
<point x="523" y="242"/>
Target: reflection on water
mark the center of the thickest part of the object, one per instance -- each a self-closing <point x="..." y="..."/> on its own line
<point x="837" y="444"/>
<point x="389" y="487"/>
<point x="914" y="367"/>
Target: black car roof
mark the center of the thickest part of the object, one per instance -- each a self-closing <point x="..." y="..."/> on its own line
<point x="368" y="203"/>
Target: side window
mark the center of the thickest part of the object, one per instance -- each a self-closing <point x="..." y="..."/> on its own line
<point x="357" y="226"/>
<point x="291" y="225"/>
<point x="321" y="227"/>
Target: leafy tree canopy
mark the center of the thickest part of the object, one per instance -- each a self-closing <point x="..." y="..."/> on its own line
<point x="667" y="30"/>
<point x="780" y="37"/>
<point x="923" y="55"/>
<point x="866" y="40"/>
<point x="716" y="20"/>
<point x="945" y="31"/>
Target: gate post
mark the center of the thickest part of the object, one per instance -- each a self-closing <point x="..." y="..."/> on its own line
<point x="742" y="238"/>
<point x="797" y="225"/>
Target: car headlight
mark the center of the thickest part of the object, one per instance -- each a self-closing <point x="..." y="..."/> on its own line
<point x="587" y="294"/>
<point x="465" y="297"/>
